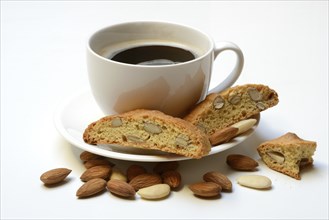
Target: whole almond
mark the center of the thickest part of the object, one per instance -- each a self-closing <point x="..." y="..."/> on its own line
<point x="55" y="175"/>
<point x="97" y="162"/>
<point x="222" y="136"/>
<point x="91" y="187"/>
<point x="85" y="156"/>
<point x="120" y="188"/>
<point x="162" y="167"/>
<point x="241" y="162"/>
<point x="102" y="172"/>
<point x="135" y="170"/>
<point x="205" y="189"/>
<point x="255" y="181"/>
<point x="157" y="191"/>
<point x="145" y="180"/>
<point x="117" y="175"/>
<point x="244" y="125"/>
<point x="218" y="178"/>
<point x="172" y="178"/>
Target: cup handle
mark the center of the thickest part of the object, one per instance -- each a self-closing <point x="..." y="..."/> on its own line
<point x="234" y="75"/>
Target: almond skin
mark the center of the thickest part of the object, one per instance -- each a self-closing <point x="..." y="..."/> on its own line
<point x="91" y="187"/>
<point x="102" y="172"/>
<point x="121" y="188"/>
<point x="97" y="162"/>
<point x="172" y="178"/>
<point x="162" y="167"/>
<point x="85" y="156"/>
<point x="224" y="135"/>
<point x="55" y="175"/>
<point x="241" y="162"/>
<point x="218" y="178"/>
<point x="145" y="180"/>
<point x="205" y="189"/>
<point x="134" y="170"/>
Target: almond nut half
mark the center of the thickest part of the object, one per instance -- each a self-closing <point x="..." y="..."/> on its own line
<point x="276" y="156"/>
<point x="254" y="94"/>
<point x="218" y="103"/>
<point x="152" y="128"/>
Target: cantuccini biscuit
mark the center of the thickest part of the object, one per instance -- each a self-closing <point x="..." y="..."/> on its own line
<point x="287" y="154"/>
<point x="220" y="110"/>
<point x="149" y="129"/>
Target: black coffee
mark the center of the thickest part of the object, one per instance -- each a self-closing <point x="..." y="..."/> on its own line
<point x="153" y="55"/>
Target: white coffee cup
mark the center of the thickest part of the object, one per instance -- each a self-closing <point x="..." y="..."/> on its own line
<point x="172" y="88"/>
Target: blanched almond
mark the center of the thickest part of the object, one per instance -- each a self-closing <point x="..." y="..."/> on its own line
<point x="157" y="191"/>
<point x="117" y="175"/>
<point x="255" y="181"/>
<point x="244" y="125"/>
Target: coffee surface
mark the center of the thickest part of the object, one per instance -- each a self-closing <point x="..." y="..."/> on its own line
<point x="153" y="55"/>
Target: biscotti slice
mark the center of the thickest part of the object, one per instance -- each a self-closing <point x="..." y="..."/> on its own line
<point x="149" y="129"/>
<point x="220" y="110"/>
<point x="287" y="154"/>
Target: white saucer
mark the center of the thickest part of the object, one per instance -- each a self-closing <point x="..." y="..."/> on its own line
<point x="77" y="112"/>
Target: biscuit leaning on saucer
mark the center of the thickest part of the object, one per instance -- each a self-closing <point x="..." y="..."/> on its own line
<point x="149" y="129"/>
<point x="287" y="154"/>
<point x="220" y="110"/>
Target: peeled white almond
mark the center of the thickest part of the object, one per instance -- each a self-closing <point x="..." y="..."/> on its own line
<point x="244" y="125"/>
<point x="255" y="181"/>
<point x="156" y="191"/>
<point x="117" y="175"/>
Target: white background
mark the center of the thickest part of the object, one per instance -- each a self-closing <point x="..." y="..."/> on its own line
<point x="43" y="46"/>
